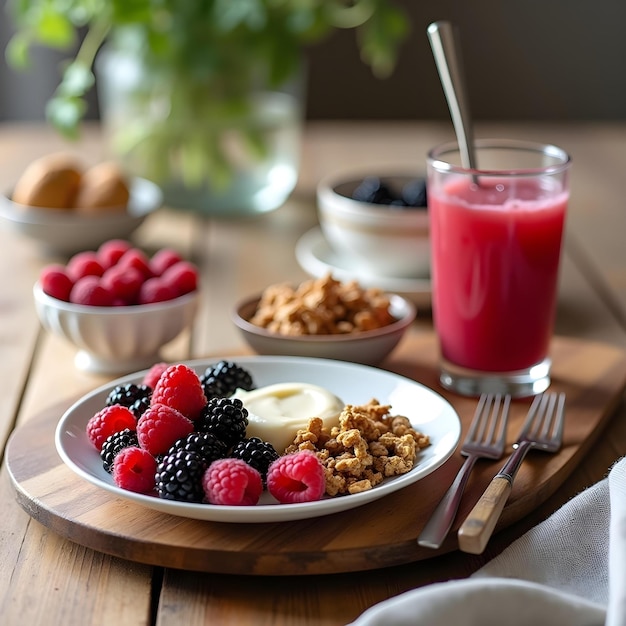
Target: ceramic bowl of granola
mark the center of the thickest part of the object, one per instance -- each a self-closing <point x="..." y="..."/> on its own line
<point x="324" y="318"/>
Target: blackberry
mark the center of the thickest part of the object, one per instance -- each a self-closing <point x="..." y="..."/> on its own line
<point x="226" y="418"/>
<point x="213" y="387"/>
<point x="140" y="405"/>
<point x="128" y="394"/>
<point x="206" y="445"/>
<point x="376" y="191"/>
<point x="179" y="476"/>
<point x="114" y="444"/>
<point x="256" y="453"/>
<point x="414" y="193"/>
<point x="224" y="378"/>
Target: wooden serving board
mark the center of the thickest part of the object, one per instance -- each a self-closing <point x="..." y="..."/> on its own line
<point x="375" y="535"/>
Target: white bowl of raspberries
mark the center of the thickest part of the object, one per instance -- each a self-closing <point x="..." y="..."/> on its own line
<point x="118" y="305"/>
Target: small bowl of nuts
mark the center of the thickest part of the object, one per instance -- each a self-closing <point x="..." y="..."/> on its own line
<point x="324" y="318"/>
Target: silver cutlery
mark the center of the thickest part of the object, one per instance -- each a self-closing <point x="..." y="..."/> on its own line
<point x="542" y="430"/>
<point x="485" y="440"/>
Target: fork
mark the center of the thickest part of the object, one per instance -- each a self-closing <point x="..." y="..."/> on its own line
<point x="484" y="440"/>
<point x="542" y="430"/>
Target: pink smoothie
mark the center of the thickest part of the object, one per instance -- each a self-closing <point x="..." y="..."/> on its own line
<point x="495" y="271"/>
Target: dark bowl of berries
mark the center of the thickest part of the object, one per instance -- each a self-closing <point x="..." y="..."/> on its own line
<point x="378" y="221"/>
<point x="117" y="305"/>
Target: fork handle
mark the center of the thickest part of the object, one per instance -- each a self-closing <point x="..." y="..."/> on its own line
<point x="477" y="528"/>
<point x="442" y="518"/>
<point x="479" y="524"/>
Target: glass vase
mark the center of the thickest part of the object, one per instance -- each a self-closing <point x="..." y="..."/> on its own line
<point x="224" y="157"/>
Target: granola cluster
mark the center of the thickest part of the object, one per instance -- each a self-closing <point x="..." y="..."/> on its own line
<point x="322" y="306"/>
<point x="368" y="445"/>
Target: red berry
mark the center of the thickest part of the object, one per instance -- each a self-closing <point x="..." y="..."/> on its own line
<point x="110" y="252"/>
<point x="134" y="257"/>
<point x="123" y="283"/>
<point x="55" y="282"/>
<point x="134" y="469"/>
<point x="155" y="290"/>
<point x="182" y="276"/>
<point x="160" y="426"/>
<point x="111" y="419"/>
<point x="297" y="477"/>
<point x="179" y="387"/>
<point x="89" y="290"/>
<point x="153" y="374"/>
<point x="84" y="264"/>
<point x="232" y="482"/>
<point x="162" y="259"/>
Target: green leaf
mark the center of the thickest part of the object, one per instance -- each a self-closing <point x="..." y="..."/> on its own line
<point x="77" y="80"/>
<point x="54" y="30"/>
<point x="65" y="114"/>
<point x="380" y="38"/>
<point x="18" y="51"/>
<point x="229" y="15"/>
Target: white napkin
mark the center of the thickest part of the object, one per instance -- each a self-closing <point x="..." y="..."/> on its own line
<point x="570" y="570"/>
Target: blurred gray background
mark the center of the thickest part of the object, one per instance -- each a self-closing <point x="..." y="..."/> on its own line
<point x="530" y="59"/>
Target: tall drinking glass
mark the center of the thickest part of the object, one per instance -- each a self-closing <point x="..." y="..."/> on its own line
<point x="496" y="243"/>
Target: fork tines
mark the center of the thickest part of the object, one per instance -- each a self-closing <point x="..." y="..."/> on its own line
<point x="551" y="406"/>
<point x="489" y="402"/>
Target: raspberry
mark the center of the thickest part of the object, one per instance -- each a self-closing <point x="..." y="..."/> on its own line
<point x="110" y="252"/>
<point x="55" y="282"/>
<point x="297" y="477"/>
<point x="179" y="387"/>
<point x="89" y="291"/>
<point x="114" y="444"/>
<point x="154" y="373"/>
<point x="107" y="421"/>
<point x="134" y="257"/>
<point x="162" y="259"/>
<point x="84" y="264"/>
<point x="181" y="277"/>
<point x="156" y="290"/>
<point x="160" y="426"/>
<point x="123" y="283"/>
<point x="226" y="418"/>
<point x="232" y="482"/>
<point x="179" y="476"/>
<point x="134" y="469"/>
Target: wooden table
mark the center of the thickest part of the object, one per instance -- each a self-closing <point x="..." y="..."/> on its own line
<point x="45" y="579"/>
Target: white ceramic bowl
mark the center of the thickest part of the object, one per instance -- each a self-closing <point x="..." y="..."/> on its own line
<point x="367" y="347"/>
<point x="384" y="241"/>
<point x="116" y="340"/>
<point x="65" y="232"/>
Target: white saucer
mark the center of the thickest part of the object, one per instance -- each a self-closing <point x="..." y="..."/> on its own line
<point x="317" y="259"/>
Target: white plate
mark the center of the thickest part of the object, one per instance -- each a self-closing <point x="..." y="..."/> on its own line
<point x="317" y="258"/>
<point x="354" y="384"/>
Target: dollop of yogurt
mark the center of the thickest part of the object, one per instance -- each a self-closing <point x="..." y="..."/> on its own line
<point x="277" y="412"/>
